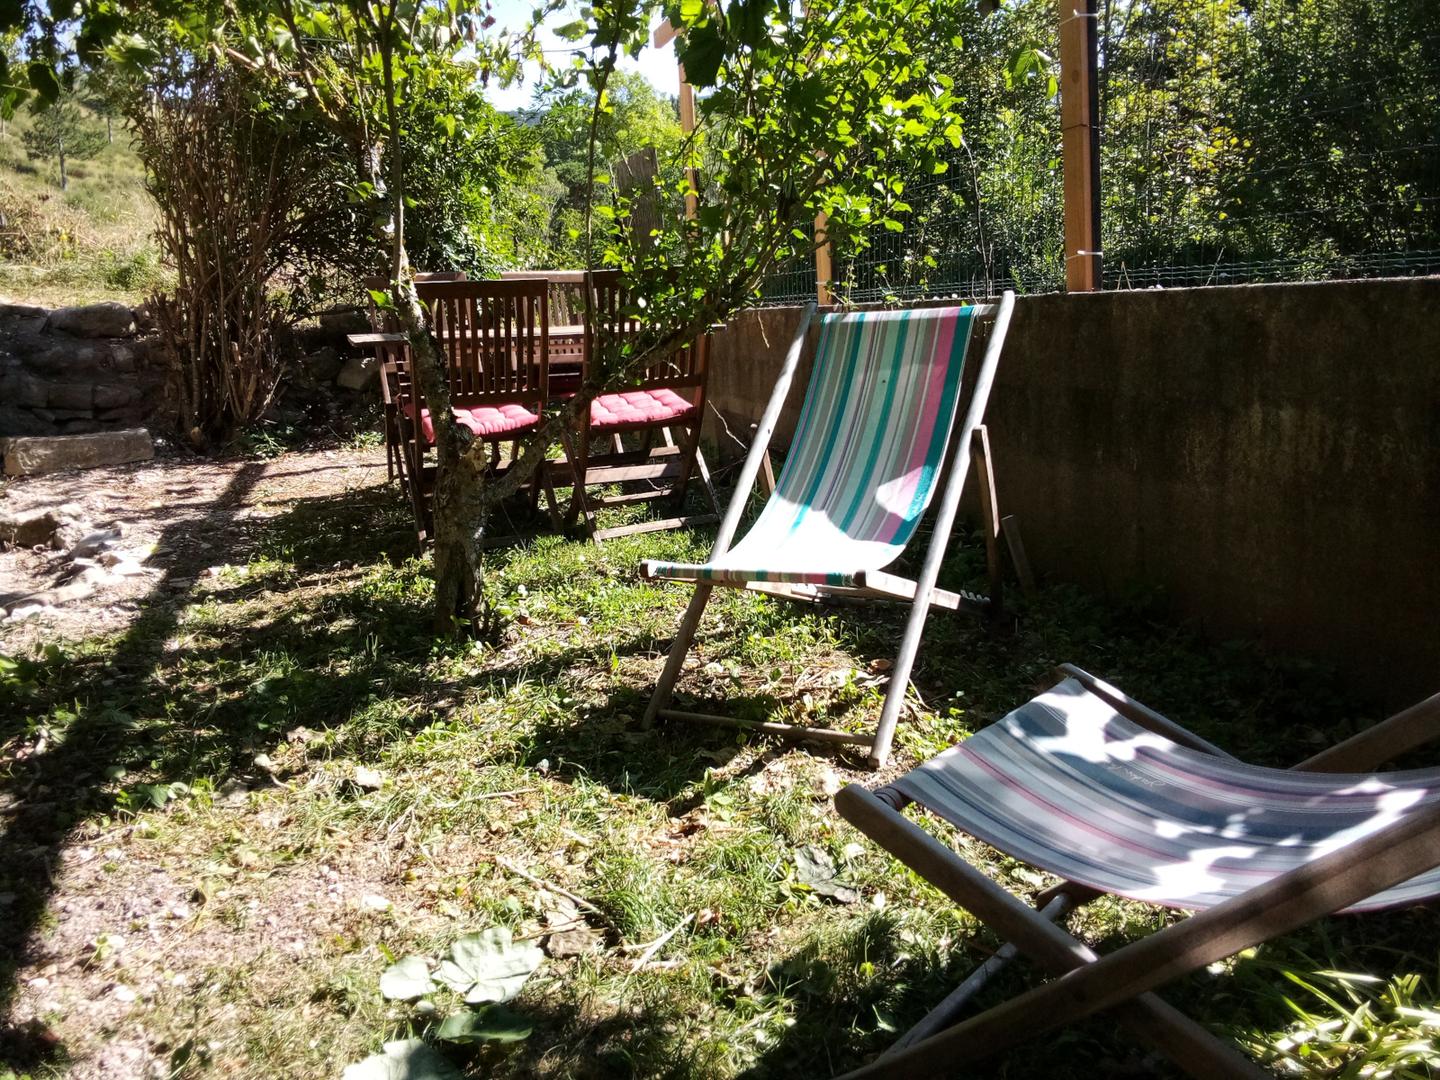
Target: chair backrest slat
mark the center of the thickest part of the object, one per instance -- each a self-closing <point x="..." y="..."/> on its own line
<point x="495" y="338"/>
<point x="613" y="316"/>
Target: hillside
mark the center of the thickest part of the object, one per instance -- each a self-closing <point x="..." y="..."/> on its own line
<point x="92" y="242"/>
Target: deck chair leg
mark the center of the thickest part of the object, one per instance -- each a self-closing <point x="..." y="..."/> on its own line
<point x="990" y="511"/>
<point x="703" y="471"/>
<point x="1159" y="1024"/>
<point x="678" y="650"/>
<point x="899" y="679"/>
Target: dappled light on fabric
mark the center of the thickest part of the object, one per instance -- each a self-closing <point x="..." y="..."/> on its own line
<point x="1071" y="786"/>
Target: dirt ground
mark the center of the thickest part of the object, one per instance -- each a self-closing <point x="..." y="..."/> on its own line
<point x="182" y="514"/>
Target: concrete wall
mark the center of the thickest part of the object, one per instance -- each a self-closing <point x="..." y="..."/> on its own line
<point x="1268" y="455"/>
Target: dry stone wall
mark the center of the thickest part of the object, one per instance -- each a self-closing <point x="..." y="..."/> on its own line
<point x="74" y="370"/>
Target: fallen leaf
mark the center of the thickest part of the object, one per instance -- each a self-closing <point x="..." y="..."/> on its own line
<point x="814" y="867"/>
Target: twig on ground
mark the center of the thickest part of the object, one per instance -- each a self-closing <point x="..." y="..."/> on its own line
<point x="575" y="898"/>
<point x="656" y="945"/>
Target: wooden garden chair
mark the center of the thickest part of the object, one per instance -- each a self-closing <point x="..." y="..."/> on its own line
<point x="1111" y="797"/>
<point x="664" y="408"/>
<point x="567" y="320"/>
<point x="493" y="337"/>
<point x="382" y="323"/>
<point x="876" y="429"/>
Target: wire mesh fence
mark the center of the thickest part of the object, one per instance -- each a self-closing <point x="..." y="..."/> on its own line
<point x="1240" y="141"/>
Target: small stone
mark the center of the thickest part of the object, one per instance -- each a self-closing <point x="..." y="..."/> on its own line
<point x="123" y="993"/>
<point x="579" y="942"/>
<point x="375" y="902"/>
<point x="358" y="373"/>
<point x="91" y="544"/>
<point x="263" y="763"/>
<point x="368" y="779"/>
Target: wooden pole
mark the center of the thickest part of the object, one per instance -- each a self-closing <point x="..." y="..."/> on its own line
<point x="1081" y="140"/>
<point x="664" y="34"/>
<point x="824" y="272"/>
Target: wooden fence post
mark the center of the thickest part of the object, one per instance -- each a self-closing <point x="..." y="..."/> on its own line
<point x="664" y="34"/>
<point x="823" y="269"/>
<point x="1078" y="90"/>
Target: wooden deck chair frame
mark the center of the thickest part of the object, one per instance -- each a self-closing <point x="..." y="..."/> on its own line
<point x="969" y="448"/>
<point x="1085" y="984"/>
<point x="669" y="466"/>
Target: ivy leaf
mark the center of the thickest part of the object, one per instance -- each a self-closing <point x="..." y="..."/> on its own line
<point x="814" y="867"/>
<point x="403" y="1059"/>
<point x="406" y="980"/>
<point x="488" y="967"/>
<point x="495" y="1024"/>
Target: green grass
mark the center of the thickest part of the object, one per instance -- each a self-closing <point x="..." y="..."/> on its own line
<point x="94" y="241"/>
<point x="216" y="746"/>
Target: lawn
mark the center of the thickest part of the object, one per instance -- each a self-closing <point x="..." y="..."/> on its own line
<point x="223" y="823"/>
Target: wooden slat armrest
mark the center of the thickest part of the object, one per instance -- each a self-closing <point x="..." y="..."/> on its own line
<point x="359" y="340"/>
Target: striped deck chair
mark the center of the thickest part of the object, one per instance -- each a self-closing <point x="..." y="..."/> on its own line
<point x="874" y="433"/>
<point x="1112" y="797"/>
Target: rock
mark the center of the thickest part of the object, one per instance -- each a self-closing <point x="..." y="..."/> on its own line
<point x="108" y="319"/>
<point x="21" y="311"/>
<point x="34" y="527"/>
<point x="578" y="942"/>
<point x="323" y="364"/>
<point x="65" y="359"/>
<point x="375" y="902"/>
<point x="93" y="543"/>
<point x="72" y="396"/>
<point x="34" y="456"/>
<point x="368" y="779"/>
<point x="339" y="321"/>
<point x="15" y="421"/>
<point x="115" y="396"/>
<point x="359" y="372"/>
<point x="80" y="426"/>
<point x="19" y="388"/>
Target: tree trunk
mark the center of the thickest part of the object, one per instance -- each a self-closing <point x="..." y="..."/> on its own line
<point x="64" y="180"/>
<point x="458" y="503"/>
<point x="109" y="129"/>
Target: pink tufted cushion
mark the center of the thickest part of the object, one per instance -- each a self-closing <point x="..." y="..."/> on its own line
<point x="486" y="421"/>
<point x="639" y="407"/>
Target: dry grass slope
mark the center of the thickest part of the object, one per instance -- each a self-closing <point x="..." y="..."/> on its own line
<point x="91" y="242"/>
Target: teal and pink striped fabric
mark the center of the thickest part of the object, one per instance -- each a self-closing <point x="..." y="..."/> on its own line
<point x="1067" y="784"/>
<point x="866" y="455"/>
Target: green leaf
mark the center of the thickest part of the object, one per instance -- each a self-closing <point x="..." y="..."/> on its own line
<point x="488" y="967"/>
<point x="404" y="1059"/>
<point x="814" y="867"/>
<point x="407" y="980"/>
<point x="702" y="51"/>
<point x="43" y="81"/>
<point x="494" y="1024"/>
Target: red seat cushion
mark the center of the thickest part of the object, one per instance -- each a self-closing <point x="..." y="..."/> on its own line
<point x="486" y="421"/>
<point x="640" y="407"/>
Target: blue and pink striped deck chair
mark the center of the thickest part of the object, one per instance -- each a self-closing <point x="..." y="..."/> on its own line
<point x="1111" y="797"/>
<point x="876" y="430"/>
